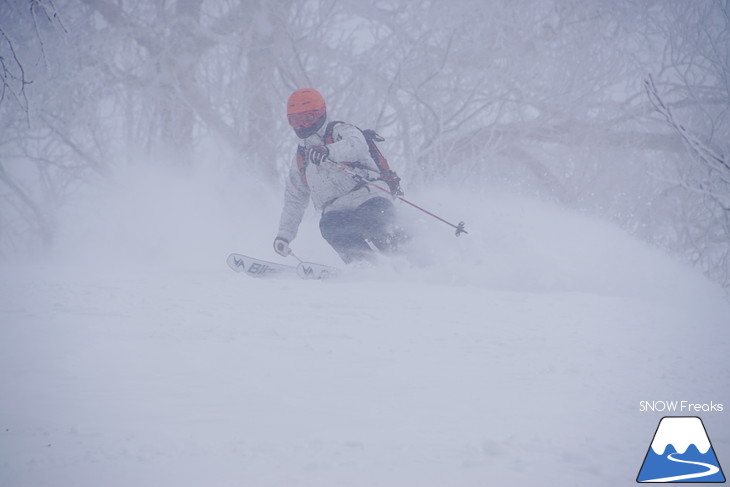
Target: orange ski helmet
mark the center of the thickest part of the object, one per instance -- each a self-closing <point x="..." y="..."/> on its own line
<point x="306" y="111"/>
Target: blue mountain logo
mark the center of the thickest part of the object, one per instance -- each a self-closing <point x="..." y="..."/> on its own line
<point x="681" y="452"/>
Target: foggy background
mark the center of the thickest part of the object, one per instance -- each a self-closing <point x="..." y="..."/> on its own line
<point x="160" y="108"/>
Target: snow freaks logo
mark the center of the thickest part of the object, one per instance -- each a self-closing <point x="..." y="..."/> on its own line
<point x="680" y="452"/>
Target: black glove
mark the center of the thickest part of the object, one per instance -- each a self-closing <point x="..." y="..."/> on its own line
<point x="393" y="181"/>
<point x="316" y="154"/>
<point x="281" y="246"/>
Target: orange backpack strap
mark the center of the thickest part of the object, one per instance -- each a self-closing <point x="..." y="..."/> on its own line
<point x="386" y="174"/>
<point x="372" y="137"/>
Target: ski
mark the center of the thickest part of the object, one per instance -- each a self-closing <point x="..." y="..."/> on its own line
<point x="258" y="268"/>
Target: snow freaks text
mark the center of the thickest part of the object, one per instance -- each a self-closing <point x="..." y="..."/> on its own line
<point x="680" y="407"/>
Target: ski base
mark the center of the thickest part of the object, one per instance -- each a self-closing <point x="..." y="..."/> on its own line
<point x="258" y="268"/>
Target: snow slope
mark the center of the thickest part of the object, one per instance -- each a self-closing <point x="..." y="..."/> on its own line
<point x="516" y="355"/>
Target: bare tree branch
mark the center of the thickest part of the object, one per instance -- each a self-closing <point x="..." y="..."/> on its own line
<point x="13" y="74"/>
<point x="716" y="162"/>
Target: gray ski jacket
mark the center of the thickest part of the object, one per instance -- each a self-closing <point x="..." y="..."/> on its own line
<point x="329" y="188"/>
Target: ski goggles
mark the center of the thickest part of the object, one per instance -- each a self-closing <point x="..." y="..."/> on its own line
<point x="304" y="119"/>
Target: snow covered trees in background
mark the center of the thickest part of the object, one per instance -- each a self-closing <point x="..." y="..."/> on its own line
<point x="25" y="35"/>
<point x="696" y="77"/>
<point x="545" y="97"/>
<point x="702" y="222"/>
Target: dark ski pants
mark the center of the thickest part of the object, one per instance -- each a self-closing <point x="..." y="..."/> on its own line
<point x="346" y="231"/>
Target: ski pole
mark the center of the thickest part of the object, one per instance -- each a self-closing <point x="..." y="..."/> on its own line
<point x="459" y="227"/>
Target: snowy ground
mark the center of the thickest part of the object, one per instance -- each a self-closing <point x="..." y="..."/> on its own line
<point x="516" y="355"/>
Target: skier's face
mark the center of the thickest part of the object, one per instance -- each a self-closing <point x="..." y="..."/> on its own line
<point x="304" y="119"/>
<point x="307" y="123"/>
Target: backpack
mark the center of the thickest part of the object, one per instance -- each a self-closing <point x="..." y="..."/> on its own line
<point x="386" y="175"/>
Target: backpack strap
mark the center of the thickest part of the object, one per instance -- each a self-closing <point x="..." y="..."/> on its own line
<point x="300" y="163"/>
<point x="328" y="139"/>
<point x="371" y="137"/>
<point x="386" y="174"/>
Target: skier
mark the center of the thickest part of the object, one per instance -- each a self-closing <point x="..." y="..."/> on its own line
<point x="353" y="215"/>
